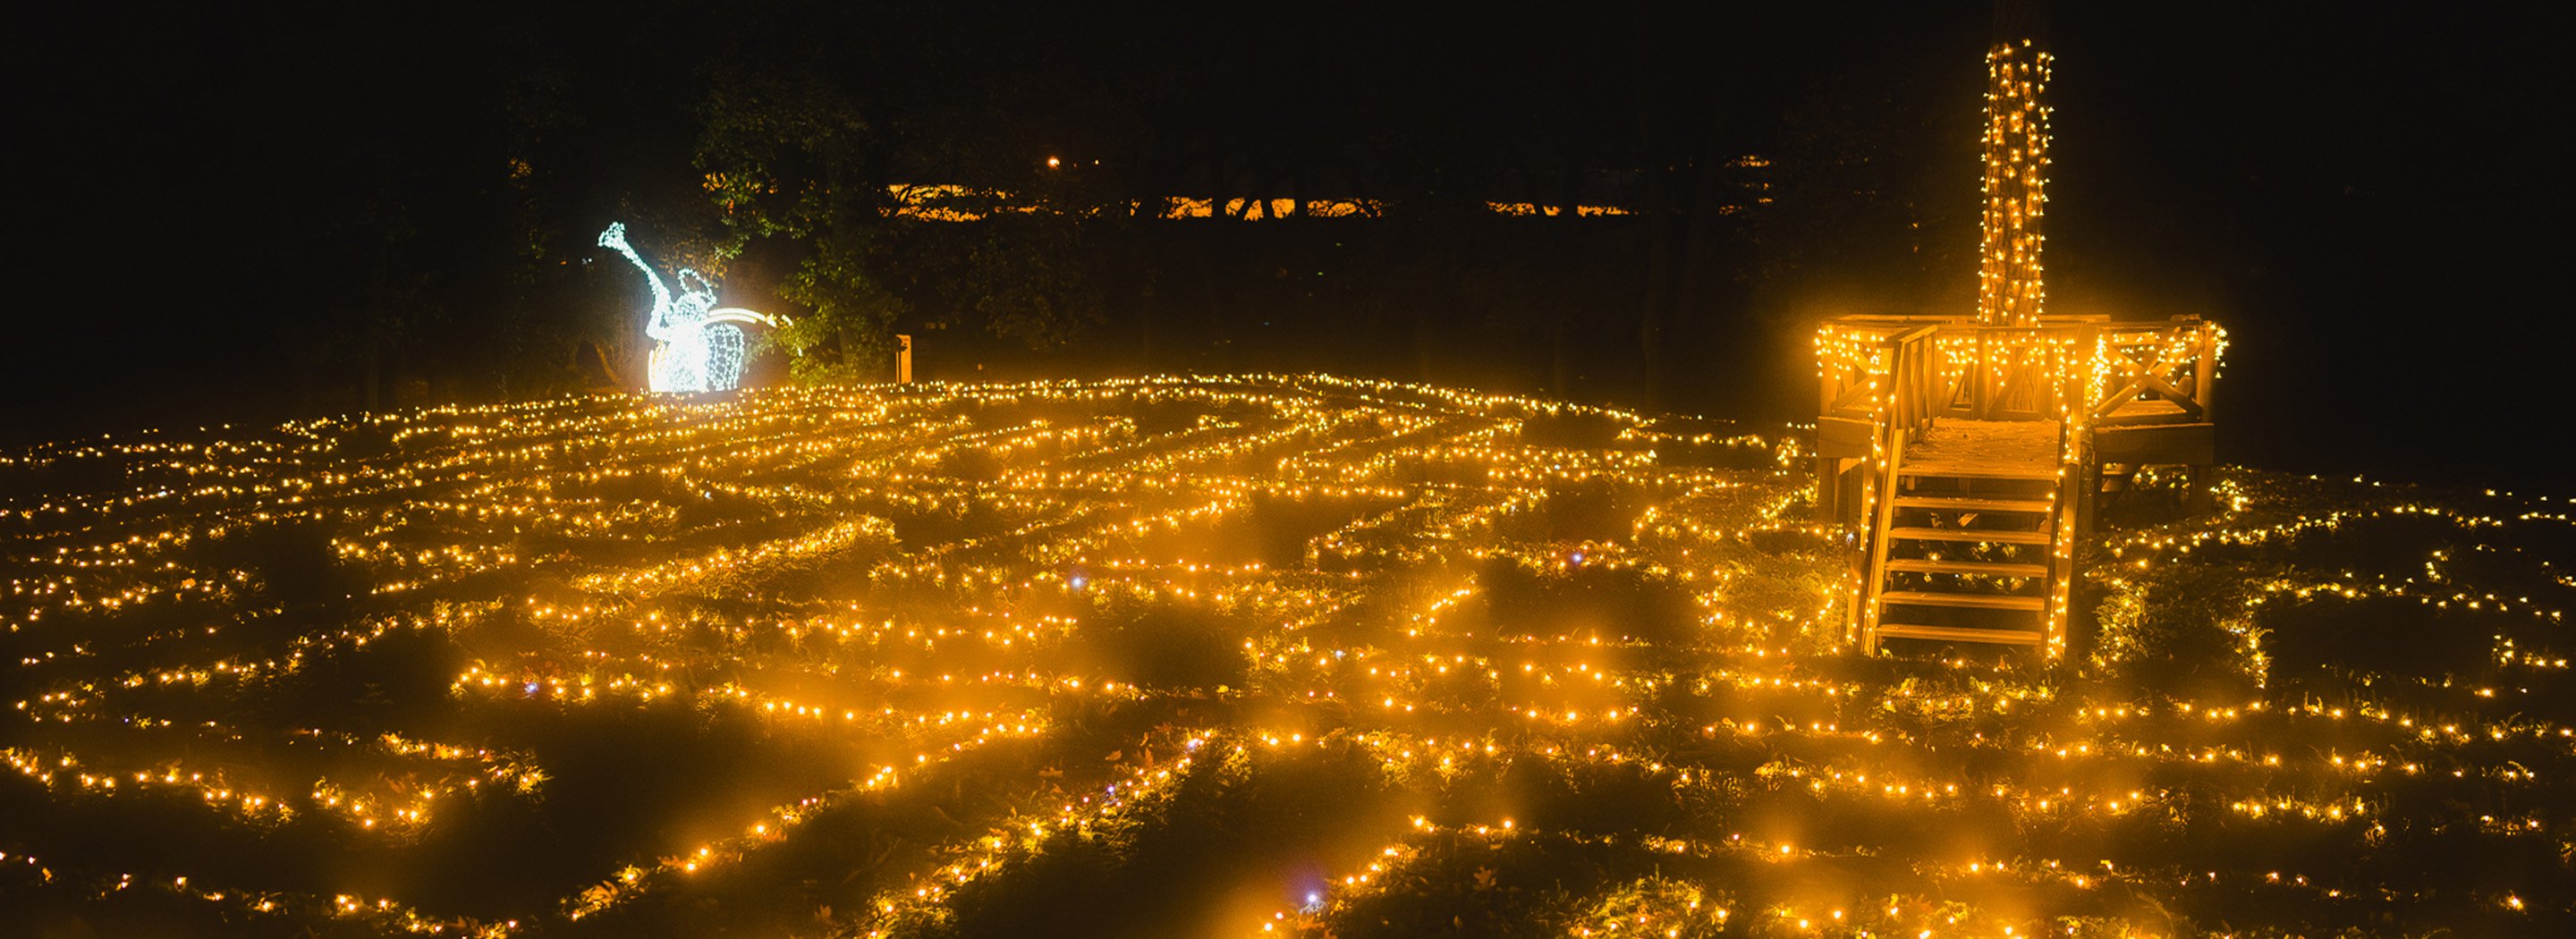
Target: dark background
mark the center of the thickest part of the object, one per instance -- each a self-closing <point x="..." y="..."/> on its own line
<point x="241" y="215"/>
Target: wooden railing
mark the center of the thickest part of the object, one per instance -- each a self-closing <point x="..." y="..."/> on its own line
<point x="2010" y="372"/>
<point x="1911" y="375"/>
<point x="1885" y="371"/>
<point x="2082" y="368"/>
<point x="2175" y="362"/>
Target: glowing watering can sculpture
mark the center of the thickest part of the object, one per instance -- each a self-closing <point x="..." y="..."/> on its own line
<point x="697" y="345"/>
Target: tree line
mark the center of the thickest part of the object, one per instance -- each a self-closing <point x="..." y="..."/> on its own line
<point x="388" y="207"/>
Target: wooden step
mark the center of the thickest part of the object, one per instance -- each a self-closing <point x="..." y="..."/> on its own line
<point x="2039" y="473"/>
<point x="1969" y="534"/>
<point x="2019" y="637"/>
<point x="1978" y="601"/>
<point x="1975" y="504"/>
<point x="1984" y="568"/>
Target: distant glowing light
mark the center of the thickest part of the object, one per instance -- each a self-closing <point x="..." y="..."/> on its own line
<point x="697" y="346"/>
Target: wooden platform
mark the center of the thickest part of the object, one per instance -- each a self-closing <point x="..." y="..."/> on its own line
<point x="1994" y="449"/>
<point x="1964" y="458"/>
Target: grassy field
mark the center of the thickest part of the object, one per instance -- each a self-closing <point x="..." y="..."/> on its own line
<point x="1223" y="656"/>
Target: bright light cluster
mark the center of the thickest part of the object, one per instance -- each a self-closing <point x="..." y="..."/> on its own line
<point x="1262" y="655"/>
<point x="697" y="346"/>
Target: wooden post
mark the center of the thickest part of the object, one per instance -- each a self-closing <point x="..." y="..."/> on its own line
<point x="2201" y="498"/>
<point x="1829" y="485"/>
<point x="1984" y="375"/>
<point x="2204" y="370"/>
<point x="1828" y="469"/>
<point x="1874" y="563"/>
<point x="2204" y="380"/>
<point x="903" y="358"/>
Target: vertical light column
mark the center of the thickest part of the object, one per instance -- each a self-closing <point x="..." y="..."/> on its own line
<point x="2008" y="280"/>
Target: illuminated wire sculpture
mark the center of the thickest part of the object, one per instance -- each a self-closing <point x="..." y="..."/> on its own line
<point x="697" y="345"/>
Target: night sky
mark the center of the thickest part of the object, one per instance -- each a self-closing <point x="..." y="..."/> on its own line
<point x="2368" y="196"/>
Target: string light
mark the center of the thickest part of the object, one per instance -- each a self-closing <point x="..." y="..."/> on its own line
<point x="2009" y="279"/>
<point x="939" y="575"/>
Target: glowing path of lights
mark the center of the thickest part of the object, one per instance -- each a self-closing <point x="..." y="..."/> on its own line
<point x="1304" y="654"/>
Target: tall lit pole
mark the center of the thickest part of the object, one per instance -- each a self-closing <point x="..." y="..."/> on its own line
<point x="2009" y="292"/>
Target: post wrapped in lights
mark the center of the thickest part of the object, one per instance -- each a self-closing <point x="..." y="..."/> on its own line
<point x="2009" y="291"/>
<point x="1961" y="454"/>
<point x="697" y="346"/>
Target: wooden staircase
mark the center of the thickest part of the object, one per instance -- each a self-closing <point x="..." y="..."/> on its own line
<point x="1959" y="459"/>
<point x="1966" y="543"/>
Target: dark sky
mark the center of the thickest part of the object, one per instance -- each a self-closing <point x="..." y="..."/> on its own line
<point x="2369" y="195"/>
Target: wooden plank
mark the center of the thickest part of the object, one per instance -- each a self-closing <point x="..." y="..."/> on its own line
<point x="2117" y="400"/>
<point x="1974" y="601"/>
<point x="1851" y="396"/>
<point x="2019" y="637"/>
<point x="2159" y="385"/>
<point x="2140" y="378"/>
<point x="1972" y="504"/>
<point x="2146" y="411"/>
<point x="1875" y="578"/>
<point x="1829" y="490"/>
<point x="1937" y="470"/>
<point x="2076" y="376"/>
<point x="1891" y="320"/>
<point x="1913" y="374"/>
<point x="1969" y="534"/>
<point x="2204" y="369"/>
<point x="1977" y="568"/>
<point x="1844" y="437"/>
<point x="2127" y="368"/>
<point x="1953" y="446"/>
<point x="2064" y="525"/>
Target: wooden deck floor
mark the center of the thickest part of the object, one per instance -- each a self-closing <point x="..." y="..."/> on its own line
<point x="1984" y="448"/>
